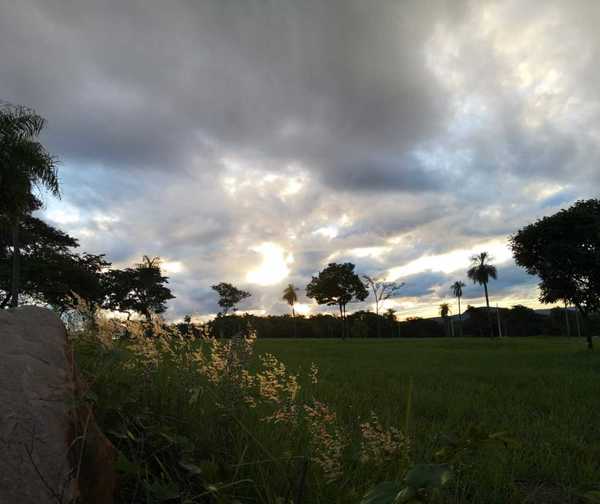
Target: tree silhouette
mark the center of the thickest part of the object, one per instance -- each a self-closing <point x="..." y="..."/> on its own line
<point x="290" y="295"/>
<point x="229" y="296"/>
<point x="381" y="290"/>
<point x="25" y="165"/>
<point x="444" y="312"/>
<point x="563" y="250"/>
<point x="390" y="314"/>
<point x="51" y="272"/>
<point x="480" y="272"/>
<point x="140" y="289"/>
<point x="337" y="285"/>
<point x="457" y="290"/>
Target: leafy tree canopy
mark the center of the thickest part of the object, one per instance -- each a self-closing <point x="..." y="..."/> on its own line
<point x="51" y="272"/>
<point x="337" y="284"/>
<point x="141" y="289"/>
<point x="564" y="251"/>
<point x="24" y="162"/>
<point x="229" y="296"/>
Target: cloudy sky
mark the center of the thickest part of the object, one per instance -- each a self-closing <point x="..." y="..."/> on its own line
<point x="254" y="141"/>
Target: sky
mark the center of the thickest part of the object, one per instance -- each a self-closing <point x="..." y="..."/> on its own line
<point x="255" y="141"/>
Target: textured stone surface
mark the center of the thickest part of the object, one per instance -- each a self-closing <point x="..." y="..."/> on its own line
<point x="38" y="424"/>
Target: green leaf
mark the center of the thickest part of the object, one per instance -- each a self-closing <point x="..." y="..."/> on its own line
<point x="428" y="476"/>
<point x="385" y="492"/>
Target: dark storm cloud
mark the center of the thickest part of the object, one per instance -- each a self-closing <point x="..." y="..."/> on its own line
<point x="147" y="84"/>
<point x="404" y="175"/>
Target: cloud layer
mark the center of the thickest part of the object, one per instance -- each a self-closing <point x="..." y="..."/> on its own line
<point x="255" y="141"/>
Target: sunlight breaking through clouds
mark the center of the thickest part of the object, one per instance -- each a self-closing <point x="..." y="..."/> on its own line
<point x="274" y="266"/>
<point x="172" y="267"/>
<point x="451" y="261"/>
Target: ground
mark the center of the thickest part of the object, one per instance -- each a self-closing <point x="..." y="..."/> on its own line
<point x="544" y="392"/>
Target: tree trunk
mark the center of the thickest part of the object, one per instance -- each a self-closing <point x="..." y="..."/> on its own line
<point x="489" y="315"/>
<point x="342" y="321"/>
<point x="567" y="320"/>
<point x="294" y="322"/>
<point x="460" y="317"/>
<point x="16" y="265"/>
<point x="586" y="329"/>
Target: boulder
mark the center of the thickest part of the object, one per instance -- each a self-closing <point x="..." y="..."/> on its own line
<point x="52" y="450"/>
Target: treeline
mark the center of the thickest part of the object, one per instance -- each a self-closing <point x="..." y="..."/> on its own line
<point x="40" y="264"/>
<point x="518" y="321"/>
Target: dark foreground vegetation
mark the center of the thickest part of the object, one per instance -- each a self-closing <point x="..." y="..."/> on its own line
<point x="322" y="421"/>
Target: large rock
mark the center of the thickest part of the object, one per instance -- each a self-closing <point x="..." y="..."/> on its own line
<point x="42" y="420"/>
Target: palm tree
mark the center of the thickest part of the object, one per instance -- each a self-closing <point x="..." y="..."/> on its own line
<point x="457" y="290"/>
<point x="25" y="165"/>
<point x="480" y="272"/>
<point x="290" y="294"/>
<point x="444" y="312"/>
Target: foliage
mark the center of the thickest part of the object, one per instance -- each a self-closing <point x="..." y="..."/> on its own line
<point x="24" y="165"/>
<point x="211" y="421"/>
<point x="337" y="284"/>
<point x="563" y="250"/>
<point x="229" y="296"/>
<point x="140" y="289"/>
<point x="51" y="273"/>
<point x="185" y="426"/>
<point x="290" y="295"/>
<point x="457" y="288"/>
<point x="480" y="272"/>
<point x="467" y="394"/>
<point x="24" y="162"/>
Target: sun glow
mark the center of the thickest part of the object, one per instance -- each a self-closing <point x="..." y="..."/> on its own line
<point x="302" y="308"/>
<point x="451" y="261"/>
<point x="172" y="267"/>
<point x="274" y="265"/>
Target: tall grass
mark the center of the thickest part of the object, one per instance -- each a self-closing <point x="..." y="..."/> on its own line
<point x="327" y="421"/>
<point x="211" y="421"/>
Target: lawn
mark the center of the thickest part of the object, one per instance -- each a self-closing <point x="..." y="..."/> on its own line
<point x="545" y="392"/>
<point x="182" y="438"/>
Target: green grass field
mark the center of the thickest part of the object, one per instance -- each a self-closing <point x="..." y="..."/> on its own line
<point x="544" y="392"/>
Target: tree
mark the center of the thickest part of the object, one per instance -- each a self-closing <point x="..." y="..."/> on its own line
<point x="390" y="314"/>
<point x="290" y="294"/>
<point x="480" y="272"/>
<point x="444" y="312"/>
<point x="140" y="289"/>
<point x="24" y="165"/>
<point x="51" y="273"/>
<point x="337" y="285"/>
<point x="229" y="296"/>
<point x="382" y="290"/>
<point x="457" y="290"/>
<point x="563" y="250"/>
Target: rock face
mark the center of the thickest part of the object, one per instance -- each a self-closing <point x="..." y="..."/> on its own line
<point x="44" y="459"/>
